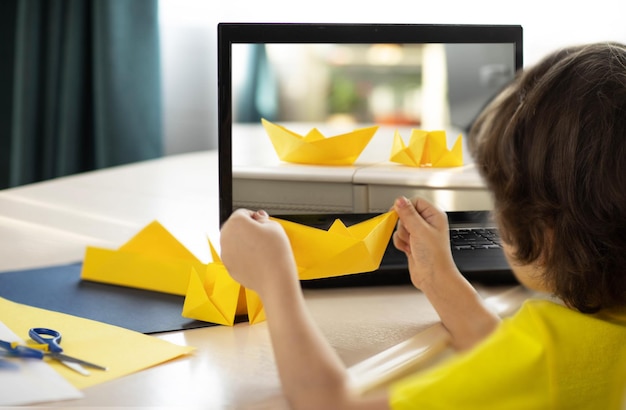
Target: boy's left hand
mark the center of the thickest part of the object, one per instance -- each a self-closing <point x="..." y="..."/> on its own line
<point x="256" y="251"/>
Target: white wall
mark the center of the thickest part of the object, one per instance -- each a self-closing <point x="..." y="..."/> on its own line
<point x="189" y="51"/>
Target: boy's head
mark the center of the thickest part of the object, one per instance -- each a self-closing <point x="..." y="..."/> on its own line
<point x="552" y="148"/>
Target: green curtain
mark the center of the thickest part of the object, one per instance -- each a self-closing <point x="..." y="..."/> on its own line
<point x="79" y="86"/>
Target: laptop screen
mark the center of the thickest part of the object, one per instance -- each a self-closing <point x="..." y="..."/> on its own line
<point x="280" y="80"/>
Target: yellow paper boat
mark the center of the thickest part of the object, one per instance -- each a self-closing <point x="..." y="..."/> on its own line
<point x="314" y="148"/>
<point x="427" y="149"/>
<point x="214" y="296"/>
<point x="341" y="250"/>
<point x="153" y="260"/>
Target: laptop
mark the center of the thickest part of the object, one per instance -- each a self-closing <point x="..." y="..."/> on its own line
<point x="341" y="77"/>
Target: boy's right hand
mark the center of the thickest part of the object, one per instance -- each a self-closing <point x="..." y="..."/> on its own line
<point x="423" y="235"/>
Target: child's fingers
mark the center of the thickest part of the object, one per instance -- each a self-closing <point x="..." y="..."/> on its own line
<point x="410" y="219"/>
<point x="241" y="213"/>
<point x="260" y="215"/>
<point x="246" y="214"/>
<point x="401" y="243"/>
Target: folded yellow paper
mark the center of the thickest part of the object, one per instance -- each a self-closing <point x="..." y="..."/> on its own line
<point x="341" y="250"/>
<point x="314" y="148"/>
<point x="213" y="296"/>
<point x="427" y="149"/>
<point x="107" y="345"/>
<point x="153" y="260"/>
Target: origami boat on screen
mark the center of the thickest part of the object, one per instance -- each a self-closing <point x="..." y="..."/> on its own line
<point x="316" y="149"/>
<point x="427" y="149"/>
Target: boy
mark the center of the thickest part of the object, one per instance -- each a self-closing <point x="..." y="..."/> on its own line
<point x="552" y="148"/>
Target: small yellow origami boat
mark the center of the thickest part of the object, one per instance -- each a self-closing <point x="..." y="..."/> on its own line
<point x="314" y="148"/>
<point x="427" y="149"/>
<point x="214" y="296"/>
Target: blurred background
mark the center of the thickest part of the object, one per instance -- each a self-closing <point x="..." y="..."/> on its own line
<point x="430" y="86"/>
<point x="189" y="54"/>
<point x="87" y="84"/>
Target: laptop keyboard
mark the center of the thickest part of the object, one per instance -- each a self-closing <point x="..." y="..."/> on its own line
<point x="474" y="238"/>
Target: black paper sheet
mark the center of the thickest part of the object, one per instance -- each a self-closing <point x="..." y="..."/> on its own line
<point x="60" y="288"/>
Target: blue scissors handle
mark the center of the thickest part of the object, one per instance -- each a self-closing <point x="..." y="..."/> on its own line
<point x="14" y="349"/>
<point x="47" y="336"/>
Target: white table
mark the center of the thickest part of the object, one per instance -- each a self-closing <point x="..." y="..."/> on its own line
<point x="52" y="222"/>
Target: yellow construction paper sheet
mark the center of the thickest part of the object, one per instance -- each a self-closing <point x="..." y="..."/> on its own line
<point x="153" y="260"/>
<point x="427" y="149"/>
<point x="341" y="250"/>
<point x="121" y="350"/>
<point x="314" y="148"/>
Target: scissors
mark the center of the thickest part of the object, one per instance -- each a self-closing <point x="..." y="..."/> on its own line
<point x="50" y="339"/>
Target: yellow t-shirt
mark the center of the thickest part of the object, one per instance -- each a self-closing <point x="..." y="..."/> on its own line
<point x="544" y="357"/>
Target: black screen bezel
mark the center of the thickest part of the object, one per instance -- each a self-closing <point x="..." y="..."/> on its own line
<point x="337" y="33"/>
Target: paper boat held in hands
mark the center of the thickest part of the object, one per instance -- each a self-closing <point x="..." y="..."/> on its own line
<point x="314" y="148"/>
<point x="341" y="250"/>
<point x="427" y="149"/>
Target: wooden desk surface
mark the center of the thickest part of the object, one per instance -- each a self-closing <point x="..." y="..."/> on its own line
<point x="52" y="222"/>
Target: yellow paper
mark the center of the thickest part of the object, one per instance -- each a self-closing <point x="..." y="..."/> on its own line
<point x="314" y="148"/>
<point x="152" y="260"/>
<point x="427" y="149"/>
<point x="341" y="250"/>
<point x="213" y="296"/>
<point x="121" y="350"/>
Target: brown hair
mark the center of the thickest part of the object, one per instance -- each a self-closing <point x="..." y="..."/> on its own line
<point x="552" y="149"/>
